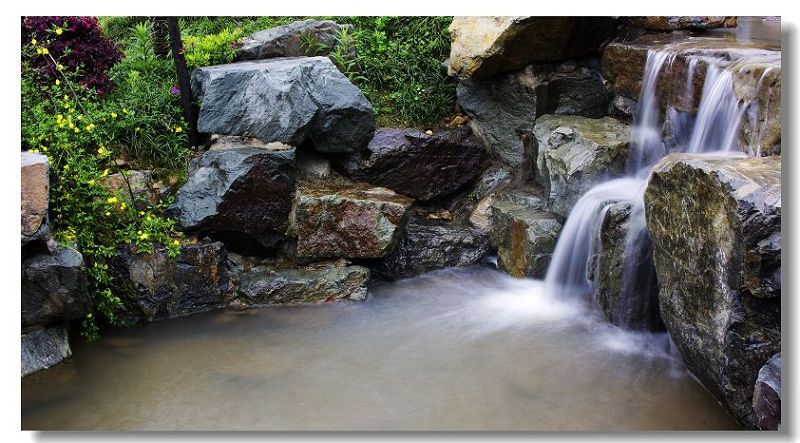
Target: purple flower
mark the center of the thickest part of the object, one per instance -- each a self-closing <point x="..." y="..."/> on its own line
<point x="174" y="90"/>
<point x="234" y="45"/>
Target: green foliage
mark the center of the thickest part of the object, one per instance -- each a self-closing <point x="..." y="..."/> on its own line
<point x="211" y="49"/>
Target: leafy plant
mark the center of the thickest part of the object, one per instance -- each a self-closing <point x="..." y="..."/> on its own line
<point x="211" y="49"/>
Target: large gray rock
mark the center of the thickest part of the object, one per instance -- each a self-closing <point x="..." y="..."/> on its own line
<point x="715" y="223"/>
<point x="621" y="267"/>
<point x="354" y="222"/>
<point x="290" y="100"/>
<point x="573" y="154"/>
<point x="240" y="195"/>
<point x="288" y="40"/>
<point x="35" y="196"/>
<point x="417" y="164"/>
<point x="526" y="235"/>
<point x="266" y="284"/>
<point x="767" y="395"/>
<point x="426" y="246"/>
<point x="54" y="287"/>
<point x="43" y="348"/>
<point x="154" y="286"/>
<point x="486" y="46"/>
<point x="672" y="23"/>
<point x="504" y="108"/>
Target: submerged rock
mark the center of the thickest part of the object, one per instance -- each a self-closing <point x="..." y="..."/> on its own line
<point x="290" y="100"/>
<point x="486" y="46"/>
<point x="575" y="153"/>
<point x="43" y="348"/>
<point x="54" y="287"/>
<point x="425" y="246"/>
<point x="154" y="286"/>
<point x="288" y="40"/>
<point x="767" y="395"/>
<point x="526" y="236"/>
<point x="35" y="197"/>
<point x="672" y="23"/>
<point x="715" y="223"/>
<point x="239" y="195"/>
<point x="417" y="164"/>
<point x="355" y="222"/>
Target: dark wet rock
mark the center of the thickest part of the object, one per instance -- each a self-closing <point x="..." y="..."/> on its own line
<point x="43" y="348"/>
<point x="290" y="100"/>
<point x="146" y="191"/>
<point x="715" y="223"/>
<point x="287" y="40"/>
<point x="354" y="222"/>
<point x="54" y="287"/>
<point x="239" y="195"/>
<point x="311" y="165"/>
<point x="758" y="83"/>
<point x="483" y="47"/>
<point x="154" y="286"/>
<point x="281" y="283"/>
<point x="767" y="395"/>
<point x="425" y="246"/>
<point x="417" y="164"/>
<point x="504" y="108"/>
<point x="672" y="23"/>
<point x="623" y="107"/>
<point x="628" y="302"/>
<point x="35" y="197"/>
<point x="575" y="153"/>
<point x="526" y="235"/>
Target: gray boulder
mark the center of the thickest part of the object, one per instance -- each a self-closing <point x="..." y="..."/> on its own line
<point x="417" y="164"/>
<point x="240" y="195"/>
<point x="154" y="286"/>
<point x="43" y="348"/>
<point x="290" y="100"/>
<point x="35" y="197"/>
<point x="718" y="261"/>
<point x="54" y="287"/>
<point x="767" y="395"/>
<point x="288" y="40"/>
<point x="575" y="153"/>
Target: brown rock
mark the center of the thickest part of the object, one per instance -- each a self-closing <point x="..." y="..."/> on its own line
<point x="35" y="188"/>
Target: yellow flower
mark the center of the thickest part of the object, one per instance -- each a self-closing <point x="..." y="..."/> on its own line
<point x="33" y="41"/>
<point x="141" y="212"/>
<point x="113" y="115"/>
<point x="89" y="315"/>
<point x="91" y="182"/>
<point x="77" y="130"/>
<point x="122" y="206"/>
<point x="39" y="50"/>
<point x="144" y="236"/>
<point x="66" y="97"/>
<point x="45" y="51"/>
<point x="90" y="127"/>
<point x="108" y="214"/>
<point x="59" y="66"/>
<point x="66" y="105"/>
<point x="101" y="151"/>
<point x="105" y="172"/>
<point x="176" y="243"/>
<point x="66" y="167"/>
<point x="71" y="125"/>
<point x="178" y="129"/>
<point x="58" y="82"/>
<point x="59" y="117"/>
<point x="112" y="199"/>
<point x="59" y="31"/>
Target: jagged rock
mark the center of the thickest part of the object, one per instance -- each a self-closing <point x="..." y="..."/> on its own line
<point x="767" y="395"/>
<point x="43" y="348"/>
<point x="239" y="195"/>
<point x="483" y="194"/>
<point x="526" y="236"/>
<point x="625" y="284"/>
<point x="290" y="100"/>
<point x="35" y="196"/>
<point x="715" y="223"/>
<point x="355" y="222"/>
<point x="154" y="286"/>
<point x="287" y="40"/>
<point x="265" y="284"/>
<point x="417" y="164"/>
<point x="623" y="107"/>
<point x="486" y="46"/>
<point x="425" y="246"/>
<point x="757" y="82"/>
<point x="146" y="191"/>
<point x="575" y="153"/>
<point x="672" y="23"/>
<point x="54" y="287"/>
<point x="504" y="108"/>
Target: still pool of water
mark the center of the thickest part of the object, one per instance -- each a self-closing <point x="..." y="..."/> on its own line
<point x="467" y="349"/>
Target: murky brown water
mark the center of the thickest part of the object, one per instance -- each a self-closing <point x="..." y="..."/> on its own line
<point x="456" y="350"/>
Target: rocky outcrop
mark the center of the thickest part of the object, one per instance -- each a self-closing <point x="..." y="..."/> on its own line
<point x="141" y="185"/>
<point x="35" y="187"/>
<point x="526" y="235"/>
<point x="483" y="195"/>
<point x="715" y="223"/>
<point x="575" y="153"/>
<point x="622" y="270"/>
<point x="425" y="246"/>
<point x="267" y="284"/>
<point x="290" y="100"/>
<point x="355" y="222"/>
<point x="417" y="164"/>
<point x="504" y="108"/>
<point x="672" y="23"/>
<point x="767" y="395"/>
<point x="486" y="46"/>
<point x="290" y="40"/>
<point x="239" y="195"/>
<point x="154" y="286"/>
<point x="43" y="348"/>
<point x="54" y="287"/>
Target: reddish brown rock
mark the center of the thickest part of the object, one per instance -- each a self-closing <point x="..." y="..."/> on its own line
<point x="35" y="188"/>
